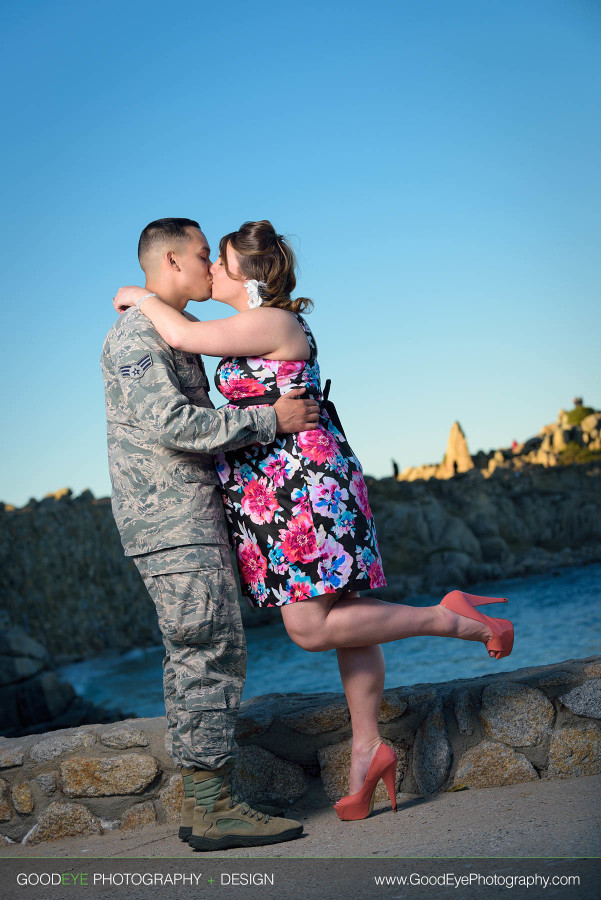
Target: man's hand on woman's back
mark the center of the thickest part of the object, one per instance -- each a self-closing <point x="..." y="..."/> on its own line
<point x="295" y="414"/>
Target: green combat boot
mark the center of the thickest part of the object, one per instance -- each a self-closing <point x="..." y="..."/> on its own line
<point x="189" y="802"/>
<point x="222" y="819"/>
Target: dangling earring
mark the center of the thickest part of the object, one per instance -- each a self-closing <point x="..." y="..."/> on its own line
<point x="252" y="289"/>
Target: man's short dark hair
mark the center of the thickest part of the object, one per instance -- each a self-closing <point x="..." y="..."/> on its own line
<point x="161" y="231"/>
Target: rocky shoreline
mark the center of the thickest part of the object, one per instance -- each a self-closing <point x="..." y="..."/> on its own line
<point x="437" y="535"/>
<point x="68" y="585"/>
<point x="33" y="699"/>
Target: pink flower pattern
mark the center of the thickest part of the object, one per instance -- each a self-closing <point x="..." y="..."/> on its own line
<point x="318" y="445"/>
<point x="299" y="542"/>
<point x="298" y="509"/>
<point x="279" y="466"/>
<point x="253" y="565"/>
<point x="244" y="387"/>
<point x="359" y="490"/>
<point x="259" y="502"/>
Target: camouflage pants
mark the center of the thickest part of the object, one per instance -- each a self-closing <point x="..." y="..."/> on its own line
<point x="196" y="598"/>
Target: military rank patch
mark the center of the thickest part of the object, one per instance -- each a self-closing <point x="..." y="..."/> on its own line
<point x="136" y="370"/>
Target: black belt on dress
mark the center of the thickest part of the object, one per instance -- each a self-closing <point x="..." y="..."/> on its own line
<point x="272" y="397"/>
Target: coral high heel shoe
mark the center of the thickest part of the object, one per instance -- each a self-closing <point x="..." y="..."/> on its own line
<point x="501" y="643"/>
<point x="360" y="805"/>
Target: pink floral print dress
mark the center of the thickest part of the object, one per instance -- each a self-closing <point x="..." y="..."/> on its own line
<point x="297" y="509"/>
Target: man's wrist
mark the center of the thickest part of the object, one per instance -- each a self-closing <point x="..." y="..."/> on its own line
<point x="266" y="425"/>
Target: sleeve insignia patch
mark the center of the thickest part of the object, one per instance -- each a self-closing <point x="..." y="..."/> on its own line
<point x="136" y="370"/>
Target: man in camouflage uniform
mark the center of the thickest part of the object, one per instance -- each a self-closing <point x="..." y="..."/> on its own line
<point x="166" y="500"/>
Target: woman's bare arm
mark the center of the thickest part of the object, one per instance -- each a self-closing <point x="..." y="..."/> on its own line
<point x="254" y="332"/>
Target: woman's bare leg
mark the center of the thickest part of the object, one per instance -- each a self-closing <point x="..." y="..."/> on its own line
<point x="332" y="621"/>
<point x="362" y="673"/>
<point x="356" y="626"/>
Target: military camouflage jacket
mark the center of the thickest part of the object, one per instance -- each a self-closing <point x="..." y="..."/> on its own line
<point x="162" y="428"/>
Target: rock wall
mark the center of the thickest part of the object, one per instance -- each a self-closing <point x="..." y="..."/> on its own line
<point x="541" y="722"/>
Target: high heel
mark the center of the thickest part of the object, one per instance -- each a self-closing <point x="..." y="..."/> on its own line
<point x="501" y="643"/>
<point x="360" y="805"/>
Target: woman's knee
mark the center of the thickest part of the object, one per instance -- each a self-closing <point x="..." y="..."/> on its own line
<point x="308" y="638"/>
<point x="306" y="622"/>
<point x="312" y="642"/>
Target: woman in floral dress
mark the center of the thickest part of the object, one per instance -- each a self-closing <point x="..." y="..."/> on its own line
<point x="298" y="509"/>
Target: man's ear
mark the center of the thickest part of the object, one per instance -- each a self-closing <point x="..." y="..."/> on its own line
<point x="171" y="260"/>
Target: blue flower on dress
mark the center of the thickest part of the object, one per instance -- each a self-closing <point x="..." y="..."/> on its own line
<point x="335" y="564"/>
<point x="327" y="497"/>
<point x="222" y="467"/>
<point x="339" y="465"/>
<point x="364" y="558"/>
<point x="229" y="370"/>
<point x="277" y="561"/>
<point x="243" y="475"/>
<point x="345" y="523"/>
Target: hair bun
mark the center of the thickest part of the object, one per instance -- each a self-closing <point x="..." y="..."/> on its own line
<point x="266" y="256"/>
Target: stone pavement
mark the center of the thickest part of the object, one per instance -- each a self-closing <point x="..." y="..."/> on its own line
<point x="488" y="832"/>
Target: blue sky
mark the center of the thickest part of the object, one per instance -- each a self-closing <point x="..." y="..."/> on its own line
<point x="436" y="162"/>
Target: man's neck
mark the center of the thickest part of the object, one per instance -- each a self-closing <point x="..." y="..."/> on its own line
<point x="167" y="293"/>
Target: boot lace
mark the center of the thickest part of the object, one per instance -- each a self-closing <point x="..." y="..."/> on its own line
<point x="236" y="800"/>
<point x="246" y="809"/>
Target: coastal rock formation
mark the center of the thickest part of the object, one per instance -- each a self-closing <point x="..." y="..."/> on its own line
<point x="62" y="820"/>
<point x="32" y="697"/>
<point x="137" y="816"/>
<point x="104" y="776"/>
<point x="258" y="771"/>
<point x="78" y="782"/>
<point x="457" y="458"/>
<point x="575" y="437"/>
<point x="67" y="585"/>
<point x="432" y="753"/>
<point x="575" y="750"/>
<point x="442" y="534"/>
<point x="516" y="714"/>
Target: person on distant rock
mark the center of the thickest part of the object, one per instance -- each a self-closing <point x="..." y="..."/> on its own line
<point x="166" y="501"/>
<point x="395" y="469"/>
<point x="298" y="508"/>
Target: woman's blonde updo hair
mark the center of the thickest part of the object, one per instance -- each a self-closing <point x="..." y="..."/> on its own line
<point x="266" y="256"/>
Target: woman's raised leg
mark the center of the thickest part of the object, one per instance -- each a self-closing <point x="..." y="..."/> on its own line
<point x="332" y="621"/>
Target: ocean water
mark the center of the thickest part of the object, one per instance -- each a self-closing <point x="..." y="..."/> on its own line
<point x="556" y="616"/>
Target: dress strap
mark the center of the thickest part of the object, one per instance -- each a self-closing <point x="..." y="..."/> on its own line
<point x="309" y="336"/>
